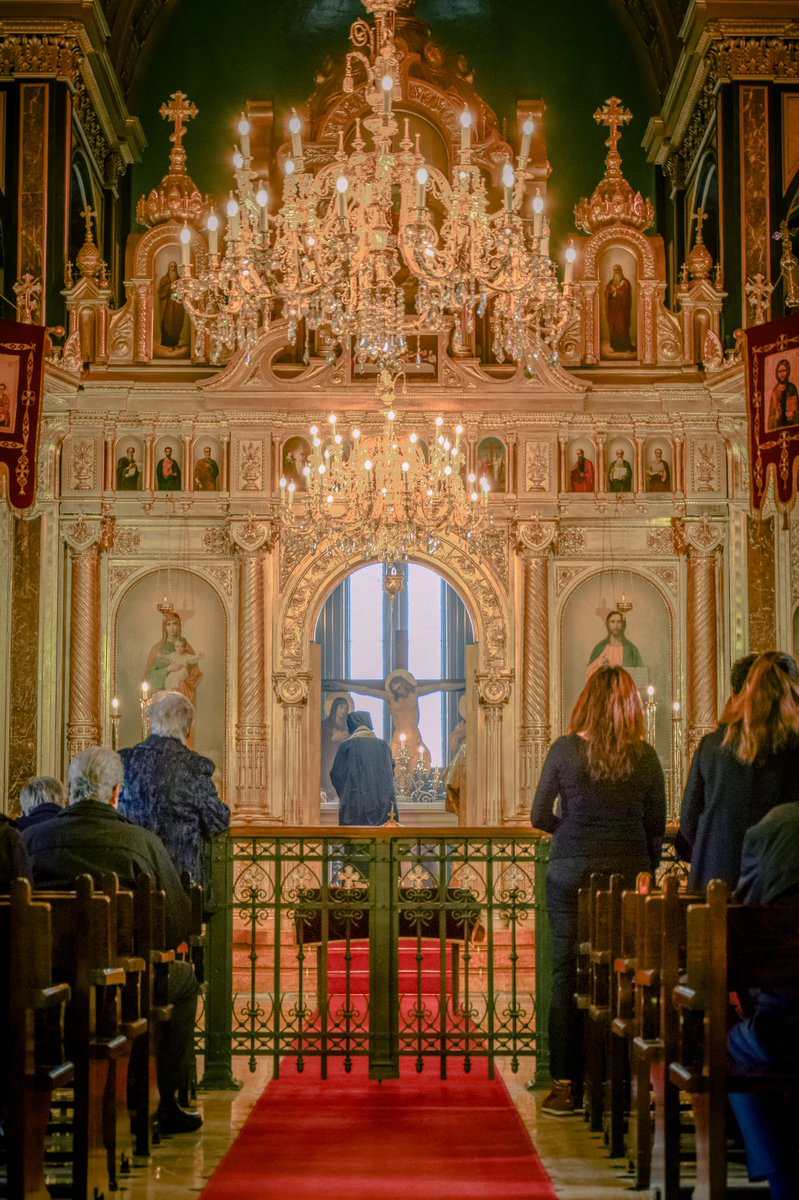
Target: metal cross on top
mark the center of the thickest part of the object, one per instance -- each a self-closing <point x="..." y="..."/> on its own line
<point x="179" y="110"/>
<point x="87" y="213"/>
<point x="613" y="114"/>
<point x="700" y="216"/>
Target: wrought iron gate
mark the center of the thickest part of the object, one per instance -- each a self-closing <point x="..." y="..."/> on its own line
<point x="420" y="944"/>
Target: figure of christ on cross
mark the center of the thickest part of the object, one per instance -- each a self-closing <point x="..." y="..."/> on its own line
<point x="401" y="692"/>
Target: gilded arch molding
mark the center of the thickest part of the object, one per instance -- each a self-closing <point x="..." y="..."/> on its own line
<point x="468" y="573"/>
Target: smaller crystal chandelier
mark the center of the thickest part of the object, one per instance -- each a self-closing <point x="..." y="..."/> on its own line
<point x="385" y="496"/>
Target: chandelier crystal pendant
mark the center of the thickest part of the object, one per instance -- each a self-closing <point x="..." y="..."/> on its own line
<point x="385" y="496"/>
<point x="372" y="222"/>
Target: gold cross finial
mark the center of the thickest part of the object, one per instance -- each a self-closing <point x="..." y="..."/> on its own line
<point x="700" y="216"/>
<point x="87" y="213"/>
<point x="179" y="110"/>
<point x="612" y="114"/>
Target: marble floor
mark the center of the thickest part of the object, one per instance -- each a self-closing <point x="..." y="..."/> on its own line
<point x="575" y="1159"/>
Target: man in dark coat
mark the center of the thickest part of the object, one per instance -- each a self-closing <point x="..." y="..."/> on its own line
<point x="168" y="788"/>
<point x="363" y="775"/>
<point x="13" y="858"/>
<point x="90" y="837"/>
<point x="41" y="798"/>
<point x="770" y="1037"/>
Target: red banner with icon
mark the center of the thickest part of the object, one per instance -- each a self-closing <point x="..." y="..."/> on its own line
<point x="21" y="379"/>
<point x="772" y="393"/>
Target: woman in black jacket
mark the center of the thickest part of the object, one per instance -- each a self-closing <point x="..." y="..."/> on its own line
<point x="742" y="770"/>
<point x="602" y="797"/>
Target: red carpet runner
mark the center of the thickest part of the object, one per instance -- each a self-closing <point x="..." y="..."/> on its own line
<point x="350" y="1138"/>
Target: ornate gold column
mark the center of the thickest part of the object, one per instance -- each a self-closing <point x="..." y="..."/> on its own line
<point x="84" y="727"/>
<point x="252" y="541"/>
<point x="535" y="540"/>
<point x="291" y="689"/>
<point x="702" y="540"/>
<point x="494" y="691"/>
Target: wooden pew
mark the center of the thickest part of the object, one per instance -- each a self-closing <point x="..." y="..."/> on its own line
<point x="133" y="1022"/>
<point x="195" y="955"/>
<point x="32" y="1014"/>
<point x="84" y="956"/>
<point x="731" y="948"/>
<point x="657" y="1148"/>
<point x="149" y="940"/>
<point x="622" y="1025"/>
<point x="605" y="926"/>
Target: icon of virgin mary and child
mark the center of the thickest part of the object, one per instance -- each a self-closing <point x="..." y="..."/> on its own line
<point x="173" y="664"/>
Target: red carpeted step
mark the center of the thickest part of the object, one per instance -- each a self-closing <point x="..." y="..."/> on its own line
<point x="417" y="1136"/>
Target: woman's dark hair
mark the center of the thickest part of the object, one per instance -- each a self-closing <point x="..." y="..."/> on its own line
<point x="610" y="716"/>
<point x="764" y="716"/>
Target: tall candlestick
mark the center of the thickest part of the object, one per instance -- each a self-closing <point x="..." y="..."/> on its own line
<point x="213" y="226"/>
<point x="508" y="181"/>
<point x="295" y="125"/>
<point x="145" y="714"/>
<point x="185" y="246"/>
<point x="651" y="709"/>
<point x="114" y="724"/>
<point x="676" y="762"/>
<point x="387" y="84"/>
<point x="244" y="134"/>
<point x="538" y="213"/>
<point x="528" y="128"/>
<point x="466" y="129"/>
<point x="422" y="176"/>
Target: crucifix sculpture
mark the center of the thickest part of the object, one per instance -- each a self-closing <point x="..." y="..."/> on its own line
<point x="613" y="115"/>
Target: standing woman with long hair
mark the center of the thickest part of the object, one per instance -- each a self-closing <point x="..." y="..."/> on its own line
<point x="602" y="797"/>
<point x="742" y="770"/>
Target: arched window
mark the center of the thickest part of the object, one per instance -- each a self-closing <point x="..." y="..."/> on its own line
<point x="406" y="619"/>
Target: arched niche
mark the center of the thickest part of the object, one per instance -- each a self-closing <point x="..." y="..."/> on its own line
<point x="137" y="654"/>
<point x="650" y="627"/>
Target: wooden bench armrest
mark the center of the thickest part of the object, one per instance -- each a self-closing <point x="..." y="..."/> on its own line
<point x="686" y="1079"/>
<point x="600" y="957"/>
<point x="134" y="1029"/>
<point x="107" y="977"/>
<point x="647" y="977"/>
<point x="131" y="964"/>
<point x="108" y="1048"/>
<point x="650" y="1051"/>
<point x="161" y="1012"/>
<point x="621" y="1026"/>
<point x="623" y="966"/>
<point x="158" y="957"/>
<point x="688" y="998"/>
<point x="51" y="996"/>
<point x="598" y="1012"/>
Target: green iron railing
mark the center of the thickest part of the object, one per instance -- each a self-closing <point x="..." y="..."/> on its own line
<point x="383" y="944"/>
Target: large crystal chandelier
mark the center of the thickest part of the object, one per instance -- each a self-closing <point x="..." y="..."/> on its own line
<point x="362" y="224"/>
<point x="384" y="495"/>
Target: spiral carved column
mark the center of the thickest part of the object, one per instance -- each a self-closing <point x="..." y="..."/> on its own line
<point x="292" y="693"/>
<point x="494" y="693"/>
<point x="535" y="540"/>
<point x="702" y="542"/>
<point x="252" y="797"/>
<point x="83" y="723"/>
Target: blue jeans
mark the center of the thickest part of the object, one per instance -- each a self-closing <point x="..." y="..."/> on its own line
<point x="763" y="1119"/>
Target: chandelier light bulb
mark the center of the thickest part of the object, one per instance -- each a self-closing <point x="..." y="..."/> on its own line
<point x="282" y="481"/>
<point x="262" y="197"/>
<point x="332" y="419"/>
<point x="337" y="439"/>
<point x="466" y="129"/>
<point x="233" y="218"/>
<point x="387" y="84"/>
<point x="342" y="186"/>
<point x="295" y="125"/>
<point x="314" y="430"/>
<point x="367" y="466"/>
<point x="185" y="246"/>
<point x="472" y="477"/>
<point x="306" y="470"/>
<point x="322" y="468"/>
<point x="571" y="255"/>
<point x="414" y="438"/>
<point x="422" y="176"/>
<point x="290" y="166"/>
<point x="439" y="421"/>
<point x="244" y="134"/>
<point x="538" y="214"/>
<point x="474" y="497"/>
<point x="392" y="416"/>
<point x="292" y="486"/>
<point x="406" y="466"/>
<point x="356" y="433"/>
<point x="238" y="160"/>
<point x="329" y="498"/>
<point x="528" y="129"/>
<point x="508" y="182"/>
<point x="484" y="484"/>
<point x="212" y="227"/>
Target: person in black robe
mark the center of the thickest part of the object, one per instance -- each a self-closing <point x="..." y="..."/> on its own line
<point x="363" y="774"/>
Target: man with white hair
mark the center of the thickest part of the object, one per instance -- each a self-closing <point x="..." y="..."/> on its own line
<point x="90" y="837"/>
<point x="168" y="788"/>
<point x="41" y="798"/>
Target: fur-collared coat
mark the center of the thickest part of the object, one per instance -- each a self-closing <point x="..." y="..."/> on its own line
<point x="168" y="788"/>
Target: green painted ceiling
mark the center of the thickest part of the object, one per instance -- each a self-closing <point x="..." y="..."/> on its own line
<point x="574" y="53"/>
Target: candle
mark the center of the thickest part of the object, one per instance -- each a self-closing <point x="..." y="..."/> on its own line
<point x="403" y="738"/>
<point x="145" y="687"/>
<point x="342" y="187"/>
<point x="538" y="213"/>
<point x="387" y="84"/>
<point x="422" y="176"/>
<point x="213" y="226"/>
<point x="508" y="181"/>
<point x="185" y="246"/>
<point x="571" y="255"/>
<point x="233" y="218"/>
<point x="244" y="134"/>
<point x="115" y="707"/>
<point x="295" y="125"/>
<point x="466" y="129"/>
<point x="262" y="199"/>
<point x="528" y="129"/>
<point x="650" y="691"/>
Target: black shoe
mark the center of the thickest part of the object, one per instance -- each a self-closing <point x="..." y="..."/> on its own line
<point x="174" y="1119"/>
